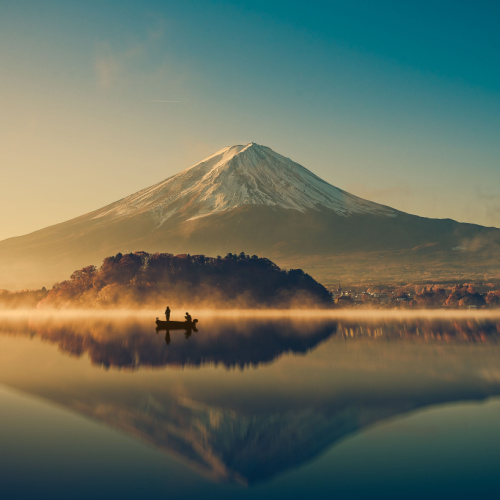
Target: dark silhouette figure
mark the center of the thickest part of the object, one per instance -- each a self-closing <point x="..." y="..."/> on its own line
<point x="167" y="313"/>
<point x="188" y="317"/>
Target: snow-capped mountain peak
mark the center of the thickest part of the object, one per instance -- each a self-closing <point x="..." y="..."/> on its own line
<point x="240" y="175"/>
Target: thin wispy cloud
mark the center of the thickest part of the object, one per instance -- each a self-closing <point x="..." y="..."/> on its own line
<point x="107" y="70"/>
<point x="112" y="64"/>
<point x="487" y="204"/>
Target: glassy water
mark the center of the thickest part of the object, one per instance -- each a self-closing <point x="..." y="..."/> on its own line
<point x="93" y="407"/>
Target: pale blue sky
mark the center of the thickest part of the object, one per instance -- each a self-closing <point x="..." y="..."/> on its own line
<point x="398" y="102"/>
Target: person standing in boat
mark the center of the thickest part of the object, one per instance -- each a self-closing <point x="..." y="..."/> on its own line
<point x="167" y="313"/>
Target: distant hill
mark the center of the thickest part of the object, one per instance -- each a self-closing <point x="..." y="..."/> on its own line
<point x="250" y="198"/>
<point x="140" y="280"/>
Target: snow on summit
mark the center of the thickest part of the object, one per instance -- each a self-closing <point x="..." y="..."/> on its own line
<point x="240" y="175"/>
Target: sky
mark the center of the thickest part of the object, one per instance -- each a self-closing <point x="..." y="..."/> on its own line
<point x="396" y="102"/>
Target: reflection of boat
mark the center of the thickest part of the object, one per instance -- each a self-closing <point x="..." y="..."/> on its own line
<point x="176" y="325"/>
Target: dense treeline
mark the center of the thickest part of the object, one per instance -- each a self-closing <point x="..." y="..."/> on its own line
<point x="459" y="296"/>
<point x="141" y="279"/>
<point x="433" y="296"/>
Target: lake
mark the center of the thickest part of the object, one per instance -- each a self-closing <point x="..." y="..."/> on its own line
<point x="251" y="405"/>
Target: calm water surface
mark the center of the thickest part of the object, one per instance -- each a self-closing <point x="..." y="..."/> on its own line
<point x="258" y="408"/>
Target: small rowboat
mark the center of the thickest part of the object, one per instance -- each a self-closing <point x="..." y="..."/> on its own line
<point x="176" y="325"/>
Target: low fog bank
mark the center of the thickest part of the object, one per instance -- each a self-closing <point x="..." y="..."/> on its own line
<point x="297" y="314"/>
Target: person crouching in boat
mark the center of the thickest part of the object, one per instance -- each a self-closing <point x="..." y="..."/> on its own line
<point x="188" y="317"/>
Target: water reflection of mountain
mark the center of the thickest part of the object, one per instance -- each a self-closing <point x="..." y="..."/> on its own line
<point x="252" y="425"/>
<point x="230" y="343"/>
<point x="229" y="446"/>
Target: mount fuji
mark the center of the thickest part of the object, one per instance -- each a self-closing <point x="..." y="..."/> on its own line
<point x="250" y="175"/>
<point x="250" y="198"/>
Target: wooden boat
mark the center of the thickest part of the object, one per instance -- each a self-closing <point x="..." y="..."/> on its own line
<point x="176" y="325"/>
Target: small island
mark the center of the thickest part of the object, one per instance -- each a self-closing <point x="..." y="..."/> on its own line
<point x="142" y="280"/>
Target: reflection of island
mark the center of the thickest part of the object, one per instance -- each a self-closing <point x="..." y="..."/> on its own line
<point x="248" y="426"/>
<point x="423" y="330"/>
<point x="125" y="344"/>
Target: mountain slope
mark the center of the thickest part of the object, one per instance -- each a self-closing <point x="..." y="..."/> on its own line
<point x="250" y="198"/>
<point x="238" y="176"/>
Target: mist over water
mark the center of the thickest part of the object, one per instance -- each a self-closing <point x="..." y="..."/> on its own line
<point x="279" y="402"/>
<point x="364" y="314"/>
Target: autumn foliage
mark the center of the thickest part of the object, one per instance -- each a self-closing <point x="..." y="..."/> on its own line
<point x="141" y="279"/>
